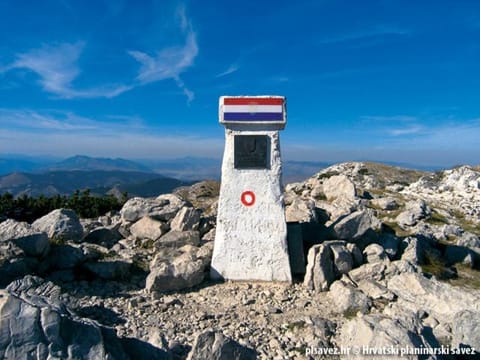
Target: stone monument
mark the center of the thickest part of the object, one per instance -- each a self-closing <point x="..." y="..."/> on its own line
<point x="251" y="232"/>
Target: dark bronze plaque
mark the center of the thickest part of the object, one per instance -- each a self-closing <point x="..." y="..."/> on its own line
<point x="251" y="151"/>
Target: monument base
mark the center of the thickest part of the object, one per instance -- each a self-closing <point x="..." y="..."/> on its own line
<point x="251" y="233"/>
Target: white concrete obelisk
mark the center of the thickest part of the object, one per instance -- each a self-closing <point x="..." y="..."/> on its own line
<point x="251" y="233"/>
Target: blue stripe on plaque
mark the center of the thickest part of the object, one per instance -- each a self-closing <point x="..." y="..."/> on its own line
<point x="252" y="116"/>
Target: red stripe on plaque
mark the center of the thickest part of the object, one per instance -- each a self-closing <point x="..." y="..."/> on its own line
<point x="253" y="101"/>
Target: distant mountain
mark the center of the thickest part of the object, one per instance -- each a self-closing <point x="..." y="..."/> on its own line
<point x="294" y="171"/>
<point x="187" y="168"/>
<point x="193" y="168"/>
<point x="86" y="163"/>
<point x="100" y="182"/>
<point x="148" y="188"/>
<point x="17" y="163"/>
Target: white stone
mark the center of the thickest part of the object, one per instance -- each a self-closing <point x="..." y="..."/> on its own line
<point x="339" y="186"/>
<point x="251" y="241"/>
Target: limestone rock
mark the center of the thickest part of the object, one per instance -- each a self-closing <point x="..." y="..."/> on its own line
<point x="162" y="208"/>
<point x="466" y="329"/>
<point x="357" y="255"/>
<point x="342" y="258"/>
<point x="300" y="211"/>
<point x="205" y="253"/>
<point x="375" y="290"/>
<point x="104" y="235"/>
<point x="469" y="240"/>
<point x="381" y="271"/>
<point x="215" y="345"/>
<point x="374" y="253"/>
<point x="173" y="204"/>
<point x="415" y="211"/>
<point x="320" y="272"/>
<point x="374" y="271"/>
<point x="432" y="296"/>
<point x="348" y="299"/>
<point x="184" y="271"/>
<point x="21" y="234"/>
<point x="179" y="239"/>
<point x="203" y="195"/>
<point x="380" y="331"/>
<point x="356" y="225"/>
<point x="339" y="186"/>
<point x="148" y="228"/>
<point x="21" y="249"/>
<point x="60" y="224"/>
<point x="186" y="219"/>
<point x="415" y="249"/>
<point x="34" y="323"/>
<point x="63" y="257"/>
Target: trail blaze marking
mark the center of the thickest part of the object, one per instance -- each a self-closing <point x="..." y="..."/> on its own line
<point x="248" y="198"/>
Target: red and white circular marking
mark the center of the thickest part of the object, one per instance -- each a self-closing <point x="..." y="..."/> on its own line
<point x="248" y="198"/>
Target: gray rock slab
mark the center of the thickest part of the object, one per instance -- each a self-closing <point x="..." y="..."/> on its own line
<point x="214" y="345"/>
<point x="60" y="224"/>
<point x="320" y="268"/>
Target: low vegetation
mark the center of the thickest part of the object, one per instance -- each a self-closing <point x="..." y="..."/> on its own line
<point x="26" y="208"/>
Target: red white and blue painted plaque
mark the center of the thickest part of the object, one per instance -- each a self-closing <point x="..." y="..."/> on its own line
<point x="252" y="109"/>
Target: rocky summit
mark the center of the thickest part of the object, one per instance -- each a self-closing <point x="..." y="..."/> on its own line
<point x="383" y="258"/>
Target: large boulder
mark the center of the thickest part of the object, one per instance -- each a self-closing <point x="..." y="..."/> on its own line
<point x="179" y="239"/>
<point x="21" y="249"/>
<point x="60" y="225"/>
<point x="381" y="270"/>
<point x="379" y="331"/>
<point x="339" y="187"/>
<point x="302" y="211"/>
<point x="184" y="271"/>
<point x="214" y="345"/>
<point x="437" y="298"/>
<point x="148" y="228"/>
<point x="31" y="241"/>
<point x="469" y="240"/>
<point x="36" y="324"/>
<point x="320" y="271"/>
<point x="414" y="212"/>
<point x="162" y="208"/>
<point x="106" y="236"/>
<point x="416" y="249"/>
<point x="375" y="253"/>
<point x="187" y="218"/>
<point x="64" y="256"/>
<point x="342" y="257"/>
<point x="348" y="299"/>
<point x="356" y="225"/>
<point x="466" y="330"/>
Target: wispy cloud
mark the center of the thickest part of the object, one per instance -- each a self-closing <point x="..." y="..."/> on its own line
<point x="408" y="130"/>
<point x="389" y="119"/>
<point x="170" y="62"/>
<point x="365" y="34"/>
<point x="45" y="120"/>
<point x="434" y="132"/>
<point x="231" y="69"/>
<point x="57" y="121"/>
<point x="66" y="133"/>
<point x="57" y="68"/>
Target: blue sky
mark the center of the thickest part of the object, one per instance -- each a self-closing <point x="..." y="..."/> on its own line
<point x="386" y="80"/>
